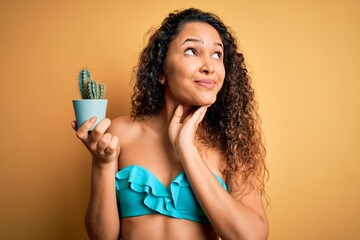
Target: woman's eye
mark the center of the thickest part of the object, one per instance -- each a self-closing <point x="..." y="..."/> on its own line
<point x="217" y="55"/>
<point x="190" y="51"/>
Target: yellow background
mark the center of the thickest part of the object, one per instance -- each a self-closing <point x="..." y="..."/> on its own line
<point x="304" y="58"/>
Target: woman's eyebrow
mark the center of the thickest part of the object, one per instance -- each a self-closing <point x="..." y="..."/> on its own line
<point x="219" y="44"/>
<point x="199" y="41"/>
<point x="192" y="40"/>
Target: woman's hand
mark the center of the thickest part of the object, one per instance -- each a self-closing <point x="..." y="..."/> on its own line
<point x="102" y="146"/>
<point x="182" y="133"/>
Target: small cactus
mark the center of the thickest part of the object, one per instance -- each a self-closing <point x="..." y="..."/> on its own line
<point x="89" y="88"/>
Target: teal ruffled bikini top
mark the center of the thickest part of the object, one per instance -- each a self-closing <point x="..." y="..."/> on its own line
<point x="139" y="193"/>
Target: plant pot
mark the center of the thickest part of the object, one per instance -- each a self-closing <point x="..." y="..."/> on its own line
<point x="87" y="108"/>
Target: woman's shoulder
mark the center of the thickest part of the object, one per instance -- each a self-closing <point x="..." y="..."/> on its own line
<point x="122" y="120"/>
<point x="124" y="125"/>
<point x="127" y="129"/>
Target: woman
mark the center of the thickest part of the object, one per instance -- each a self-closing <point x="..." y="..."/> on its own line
<point x="189" y="162"/>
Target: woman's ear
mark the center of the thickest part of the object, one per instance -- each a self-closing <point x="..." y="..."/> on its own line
<point x="162" y="80"/>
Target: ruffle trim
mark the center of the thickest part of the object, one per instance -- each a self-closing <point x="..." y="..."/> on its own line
<point x="157" y="197"/>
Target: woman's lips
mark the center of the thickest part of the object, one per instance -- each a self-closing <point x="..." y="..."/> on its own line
<point x="209" y="84"/>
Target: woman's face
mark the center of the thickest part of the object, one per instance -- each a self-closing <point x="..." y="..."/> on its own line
<point x="194" y="70"/>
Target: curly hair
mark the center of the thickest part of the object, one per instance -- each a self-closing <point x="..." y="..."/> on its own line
<point x="231" y="124"/>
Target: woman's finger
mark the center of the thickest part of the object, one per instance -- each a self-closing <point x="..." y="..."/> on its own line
<point x="197" y="116"/>
<point x="103" y="143"/>
<point x="83" y="132"/>
<point x="176" y="119"/>
<point x="202" y="114"/>
<point x="113" y="145"/>
<point x="99" y="130"/>
<point x="73" y="125"/>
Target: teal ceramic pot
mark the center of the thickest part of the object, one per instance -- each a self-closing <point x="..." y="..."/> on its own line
<point x="87" y="108"/>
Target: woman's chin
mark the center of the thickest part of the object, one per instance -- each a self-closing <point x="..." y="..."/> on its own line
<point x="204" y="102"/>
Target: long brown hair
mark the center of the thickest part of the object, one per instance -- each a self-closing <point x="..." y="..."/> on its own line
<point x="231" y="124"/>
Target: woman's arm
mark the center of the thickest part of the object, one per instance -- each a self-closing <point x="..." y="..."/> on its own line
<point x="232" y="218"/>
<point x="101" y="219"/>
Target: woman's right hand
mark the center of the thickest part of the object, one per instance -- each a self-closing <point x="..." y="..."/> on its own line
<point x="102" y="145"/>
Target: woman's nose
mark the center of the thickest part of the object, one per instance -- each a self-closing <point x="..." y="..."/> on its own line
<point x="207" y="67"/>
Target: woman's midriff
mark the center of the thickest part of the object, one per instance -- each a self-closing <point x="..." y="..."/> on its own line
<point x="156" y="226"/>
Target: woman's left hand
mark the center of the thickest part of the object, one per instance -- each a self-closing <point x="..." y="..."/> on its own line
<point x="182" y="133"/>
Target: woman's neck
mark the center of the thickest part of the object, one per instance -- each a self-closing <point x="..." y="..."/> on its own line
<point x="169" y="108"/>
<point x="161" y="121"/>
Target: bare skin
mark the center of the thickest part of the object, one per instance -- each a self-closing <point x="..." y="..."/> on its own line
<point x="166" y="145"/>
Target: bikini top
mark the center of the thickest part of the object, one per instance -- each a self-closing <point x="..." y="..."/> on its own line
<point x="139" y="192"/>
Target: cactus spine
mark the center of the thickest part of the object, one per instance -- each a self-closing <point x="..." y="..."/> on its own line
<point x="89" y="88"/>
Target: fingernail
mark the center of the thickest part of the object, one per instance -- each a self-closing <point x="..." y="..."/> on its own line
<point x="93" y="119"/>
